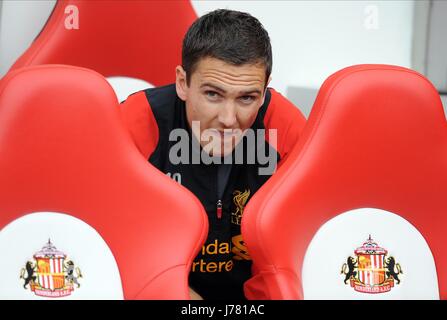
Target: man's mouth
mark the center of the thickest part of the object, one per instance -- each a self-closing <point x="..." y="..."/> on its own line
<point x="228" y="133"/>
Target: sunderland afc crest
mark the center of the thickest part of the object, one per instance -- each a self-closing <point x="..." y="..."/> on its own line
<point x="371" y="270"/>
<point x="50" y="273"/>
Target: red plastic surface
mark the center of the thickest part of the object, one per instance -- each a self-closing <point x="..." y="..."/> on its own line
<point x="64" y="148"/>
<point x="376" y="137"/>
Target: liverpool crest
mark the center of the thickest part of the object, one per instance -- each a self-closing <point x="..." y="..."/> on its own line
<point x="371" y="271"/>
<point x="50" y="273"/>
<point x="240" y="200"/>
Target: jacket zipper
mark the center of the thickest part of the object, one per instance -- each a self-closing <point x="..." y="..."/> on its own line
<point x="219" y="209"/>
<point x="218" y="196"/>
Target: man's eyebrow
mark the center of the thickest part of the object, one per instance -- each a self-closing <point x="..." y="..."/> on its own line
<point x="217" y="88"/>
<point x="247" y="92"/>
<point x="243" y="92"/>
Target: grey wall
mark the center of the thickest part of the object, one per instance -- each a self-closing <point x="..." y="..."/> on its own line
<point x="303" y="98"/>
<point x="428" y="56"/>
<point x="421" y="16"/>
<point x="437" y="45"/>
<point x="20" y="23"/>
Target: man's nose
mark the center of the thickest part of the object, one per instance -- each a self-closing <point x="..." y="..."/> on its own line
<point x="227" y="115"/>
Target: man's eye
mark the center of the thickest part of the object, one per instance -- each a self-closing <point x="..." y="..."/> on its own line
<point x="211" y="94"/>
<point x="247" y="99"/>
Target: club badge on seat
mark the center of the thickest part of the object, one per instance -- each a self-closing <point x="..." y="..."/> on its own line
<point x="371" y="271"/>
<point x="50" y="273"/>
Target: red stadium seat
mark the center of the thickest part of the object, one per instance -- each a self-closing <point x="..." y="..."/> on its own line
<point x="359" y="209"/>
<point x="79" y="205"/>
<point x="137" y="39"/>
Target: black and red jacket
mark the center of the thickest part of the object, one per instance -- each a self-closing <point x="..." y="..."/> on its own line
<point x="224" y="263"/>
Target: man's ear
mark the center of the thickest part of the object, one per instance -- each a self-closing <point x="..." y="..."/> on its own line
<point x="181" y="85"/>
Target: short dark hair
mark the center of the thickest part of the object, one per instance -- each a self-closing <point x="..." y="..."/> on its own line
<point x="231" y="36"/>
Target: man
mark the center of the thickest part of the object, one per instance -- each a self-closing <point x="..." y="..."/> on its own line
<point x="218" y="105"/>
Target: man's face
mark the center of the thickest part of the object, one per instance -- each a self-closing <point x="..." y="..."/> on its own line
<point x="224" y="98"/>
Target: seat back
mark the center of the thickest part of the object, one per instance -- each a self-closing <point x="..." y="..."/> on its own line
<point x="79" y="205"/>
<point x="136" y="39"/>
<point x="358" y="211"/>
